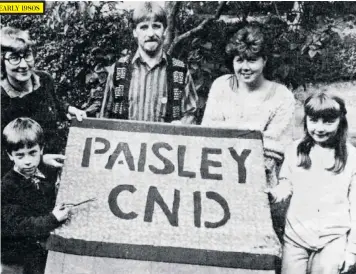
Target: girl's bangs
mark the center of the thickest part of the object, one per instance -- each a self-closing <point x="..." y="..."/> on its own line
<point x="322" y="107"/>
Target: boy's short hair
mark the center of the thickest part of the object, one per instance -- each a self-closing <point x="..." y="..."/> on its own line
<point x="22" y="132"/>
<point x="149" y="11"/>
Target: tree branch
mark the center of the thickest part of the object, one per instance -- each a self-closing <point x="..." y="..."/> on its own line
<point x="276" y="9"/>
<point x="219" y="10"/>
<point x="198" y="28"/>
<point x="171" y="21"/>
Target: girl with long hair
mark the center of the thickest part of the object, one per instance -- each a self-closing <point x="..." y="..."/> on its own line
<point x="319" y="173"/>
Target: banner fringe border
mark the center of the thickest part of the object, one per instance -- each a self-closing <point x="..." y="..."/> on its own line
<point x="180" y="255"/>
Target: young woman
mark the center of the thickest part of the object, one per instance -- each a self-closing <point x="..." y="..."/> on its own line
<point x="319" y="172"/>
<point x="26" y="92"/>
<point x="245" y="99"/>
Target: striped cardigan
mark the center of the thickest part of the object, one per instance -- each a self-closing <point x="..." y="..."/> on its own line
<point x="148" y="93"/>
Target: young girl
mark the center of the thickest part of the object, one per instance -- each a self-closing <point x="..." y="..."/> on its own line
<point x="319" y="173"/>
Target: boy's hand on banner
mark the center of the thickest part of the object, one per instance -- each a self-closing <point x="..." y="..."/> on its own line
<point x="61" y="212"/>
<point x="54" y="160"/>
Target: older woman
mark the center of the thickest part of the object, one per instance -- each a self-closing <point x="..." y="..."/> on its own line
<point x="26" y="92"/>
<point x="245" y="99"/>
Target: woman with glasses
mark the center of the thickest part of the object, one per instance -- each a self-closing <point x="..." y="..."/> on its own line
<point x="26" y="92"/>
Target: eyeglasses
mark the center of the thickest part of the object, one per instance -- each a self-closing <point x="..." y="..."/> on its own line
<point x="15" y="58"/>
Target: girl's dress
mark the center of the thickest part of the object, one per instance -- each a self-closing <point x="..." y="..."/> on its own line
<point x="323" y="204"/>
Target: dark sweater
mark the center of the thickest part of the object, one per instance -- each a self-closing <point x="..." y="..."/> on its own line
<point x="26" y="217"/>
<point x="41" y="105"/>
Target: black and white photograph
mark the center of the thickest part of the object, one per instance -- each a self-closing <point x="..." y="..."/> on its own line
<point x="178" y="137"/>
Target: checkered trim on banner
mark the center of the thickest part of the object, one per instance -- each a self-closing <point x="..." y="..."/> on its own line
<point x="178" y="77"/>
<point x="119" y="91"/>
<point x="120" y="73"/>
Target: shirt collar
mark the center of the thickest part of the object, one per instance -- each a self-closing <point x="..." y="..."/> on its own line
<point x="137" y="57"/>
<point x="13" y="93"/>
<point x="37" y="174"/>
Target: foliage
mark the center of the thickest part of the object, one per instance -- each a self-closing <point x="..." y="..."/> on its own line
<point x="67" y="41"/>
<point x="67" y="37"/>
<point x="306" y="50"/>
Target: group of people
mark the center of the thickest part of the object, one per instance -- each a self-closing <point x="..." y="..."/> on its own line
<point x="317" y="173"/>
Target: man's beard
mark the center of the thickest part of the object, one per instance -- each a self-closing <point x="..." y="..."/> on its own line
<point x="152" y="53"/>
<point x="155" y="51"/>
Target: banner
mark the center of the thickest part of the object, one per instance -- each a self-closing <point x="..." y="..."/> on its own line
<point x="177" y="194"/>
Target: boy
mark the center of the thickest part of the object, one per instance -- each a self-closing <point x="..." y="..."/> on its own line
<point x="28" y="213"/>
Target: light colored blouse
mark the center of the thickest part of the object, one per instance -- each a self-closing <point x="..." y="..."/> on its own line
<point x="323" y="204"/>
<point x="270" y="111"/>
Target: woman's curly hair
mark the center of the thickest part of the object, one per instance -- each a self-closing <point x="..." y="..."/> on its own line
<point x="247" y="42"/>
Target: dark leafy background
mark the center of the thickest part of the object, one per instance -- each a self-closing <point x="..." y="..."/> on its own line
<point x="73" y="37"/>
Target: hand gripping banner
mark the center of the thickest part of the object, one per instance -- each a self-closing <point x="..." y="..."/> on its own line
<point x="177" y="194"/>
